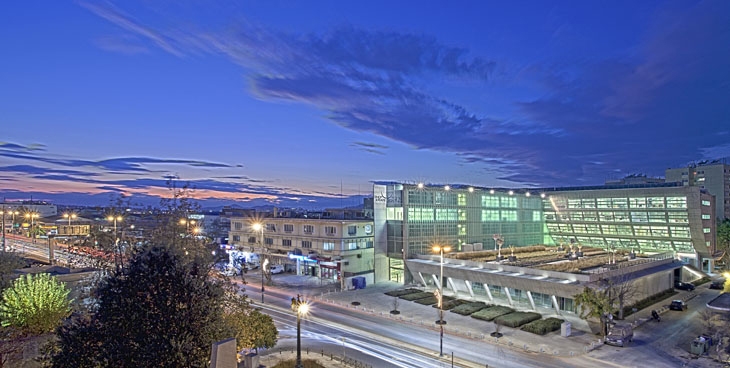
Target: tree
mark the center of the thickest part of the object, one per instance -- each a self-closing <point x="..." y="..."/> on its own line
<point x="620" y="289"/>
<point x="35" y="304"/>
<point x="254" y="329"/>
<point x="158" y="311"/>
<point x="9" y="262"/>
<point x="723" y="235"/>
<point x="594" y="304"/>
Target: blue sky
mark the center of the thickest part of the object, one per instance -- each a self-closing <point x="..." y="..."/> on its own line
<point x="299" y="102"/>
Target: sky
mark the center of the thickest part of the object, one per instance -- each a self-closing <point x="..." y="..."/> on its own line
<point x="306" y="103"/>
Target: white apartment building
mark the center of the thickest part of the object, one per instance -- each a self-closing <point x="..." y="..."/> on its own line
<point x="333" y="249"/>
<point x="713" y="176"/>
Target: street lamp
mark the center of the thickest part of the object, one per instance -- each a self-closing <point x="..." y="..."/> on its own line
<point x="441" y="249"/>
<point x="3" y="212"/>
<point x="32" y="216"/>
<point x="258" y="227"/>
<point x="301" y="307"/>
<point x="114" y="219"/>
<point x="69" y="216"/>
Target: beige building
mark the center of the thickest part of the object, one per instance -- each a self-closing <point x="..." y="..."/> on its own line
<point x="713" y="176"/>
<point x="333" y="249"/>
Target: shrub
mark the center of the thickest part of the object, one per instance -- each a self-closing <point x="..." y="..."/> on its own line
<point x="701" y="281"/>
<point x="450" y="303"/>
<point x="543" y="326"/>
<point x="434" y="300"/>
<point x="643" y="303"/>
<point x="402" y="292"/>
<point x="492" y="312"/>
<point x="469" y="308"/>
<point x="517" y="319"/>
<point x="416" y="296"/>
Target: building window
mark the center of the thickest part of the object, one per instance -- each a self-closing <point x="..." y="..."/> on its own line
<point x="461" y="199"/>
<point x="288" y="228"/>
<point x="251" y="239"/>
<point x="706" y="230"/>
<point x="286" y="242"/>
<point x="705" y="216"/>
<point x="352" y="230"/>
<point x="509" y="215"/>
<point x="308" y="229"/>
<point x="330" y="230"/>
<point x="236" y="238"/>
<point x="271" y="227"/>
<point x="369" y="244"/>
<point x="269" y="241"/>
<point x="328" y="246"/>
<point x="306" y="244"/>
<point x="237" y="225"/>
<point x="705" y="203"/>
<point x="490" y="201"/>
<point x="509" y="202"/>
<point x="490" y="215"/>
<point x="352" y="245"/>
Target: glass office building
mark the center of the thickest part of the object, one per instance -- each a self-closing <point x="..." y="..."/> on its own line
<point x="410" y="218"/>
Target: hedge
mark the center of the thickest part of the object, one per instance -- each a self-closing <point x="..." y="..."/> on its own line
<point x="433" y="300"/>
<point x="402" y="292"/>
<point x="451" y="303"/>
<point x="492" y="312"/>
<point x="416" y="296"/>
<point x="517" y="319"/>
<point x="543" y="326"/>
<point x="469" y="308"/>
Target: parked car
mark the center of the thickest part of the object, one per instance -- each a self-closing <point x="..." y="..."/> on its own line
<point x="718" y="284"/>
<point x="683" y="286"/>
<point x="620" y="335"/>
<point x="678" y="305"/>
<point x="276" y="269"/>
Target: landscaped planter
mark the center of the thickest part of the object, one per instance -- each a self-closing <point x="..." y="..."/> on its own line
<point x="579" y="254"/>
<point x="512" y="258"/>
<point x="499" y="258"/>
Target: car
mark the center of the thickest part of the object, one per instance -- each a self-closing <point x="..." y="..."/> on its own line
<point x="276" y="269"/>
<point x="620" y="335"/>
<point x="683" y="286"/>
<point x="678" y="305"/>
<point x="718" y="284"/>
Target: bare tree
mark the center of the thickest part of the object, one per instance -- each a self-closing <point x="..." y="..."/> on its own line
<point x="620" y="289"/>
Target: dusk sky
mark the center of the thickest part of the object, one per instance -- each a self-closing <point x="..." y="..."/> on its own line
<point x="290" y="103"/>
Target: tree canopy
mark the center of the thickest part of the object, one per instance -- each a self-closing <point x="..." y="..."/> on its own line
<point x="158" y="311"/>
<point x="35" y="304"/>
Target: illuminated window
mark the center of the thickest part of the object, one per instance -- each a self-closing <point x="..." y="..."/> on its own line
<point x="509" y="215"/>
<point x="308" y="229"/>
<point x="462" y="199"/>
<point x="705" y="203"/>
<point x="330" y="230"/>
<point x="705" y="216"/>
<point x="490" y="201"/>
<point x="706" y="230"/>
<point x="490" y="215"/>
<point x="328" y="246"/>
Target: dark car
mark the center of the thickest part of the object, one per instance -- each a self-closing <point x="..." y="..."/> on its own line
<point x="678" y="305"/>
<point x="718" y="284"/>
<point x="683" y="286"/>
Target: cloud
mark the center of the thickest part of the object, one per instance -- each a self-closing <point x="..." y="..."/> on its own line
<point x="634" y="111"/>
<point x="370" y="147"/>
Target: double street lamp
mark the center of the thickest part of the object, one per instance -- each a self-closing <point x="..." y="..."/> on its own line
<point x="69" y="216"/>
<point x="441" y="249"/>
<point x="259" y="227"/>
<point x="32" y="216"/>
<point x="301" y="308"/>
<point x="114" y="219"/>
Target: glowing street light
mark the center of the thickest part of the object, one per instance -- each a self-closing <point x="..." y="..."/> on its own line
<point x="69" y="216"/>
<point x="301" y="308"/>
<point x="441" y="249"/>
<point x="32" y="216"/>
<point x="259" y="227"/>
<point x="114" y="219"/>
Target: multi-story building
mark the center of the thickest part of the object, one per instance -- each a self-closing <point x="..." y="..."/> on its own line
<point x="410" y="218"/>
<point x="713" y="176"/>
<point x="332" y="249"/>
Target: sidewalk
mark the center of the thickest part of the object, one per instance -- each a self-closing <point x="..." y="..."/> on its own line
<point x="374" y="301"/>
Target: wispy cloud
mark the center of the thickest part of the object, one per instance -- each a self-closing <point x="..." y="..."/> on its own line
<point x="591" y="119"/>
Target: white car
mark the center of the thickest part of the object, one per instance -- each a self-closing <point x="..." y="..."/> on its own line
<point x="276" y="269"/>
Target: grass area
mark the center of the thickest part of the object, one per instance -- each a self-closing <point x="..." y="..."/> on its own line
<point x="416" y="296"/>
<point x="469" y="308"/>
<point x="543" y="326"/>
<point x="307" y="363"/>
<point x="402" y="292"/>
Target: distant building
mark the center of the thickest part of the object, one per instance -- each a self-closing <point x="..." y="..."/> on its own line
<point x="713" y="176"/>
<point x="41" y="208"/>
<point x="635" y="179"/>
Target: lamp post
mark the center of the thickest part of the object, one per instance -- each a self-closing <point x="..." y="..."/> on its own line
<point x="441" y="249"/>
<point x="32" y="216"/>
<point x="3" y="214"/>
<point x="259" y="227"/>
<point x="114" y="219"/>
<point x="69" y="216"/>
<point x="301" y="307"/>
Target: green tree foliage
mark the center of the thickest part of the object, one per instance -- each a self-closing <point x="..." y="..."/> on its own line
<point x="35" y="304"/>
<point x="593" y="304"/>
<point x="253" y="329"/>
<point x="158" y="311"/>
<point x="9" y="262"/>
<point x="723" y="235"/>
